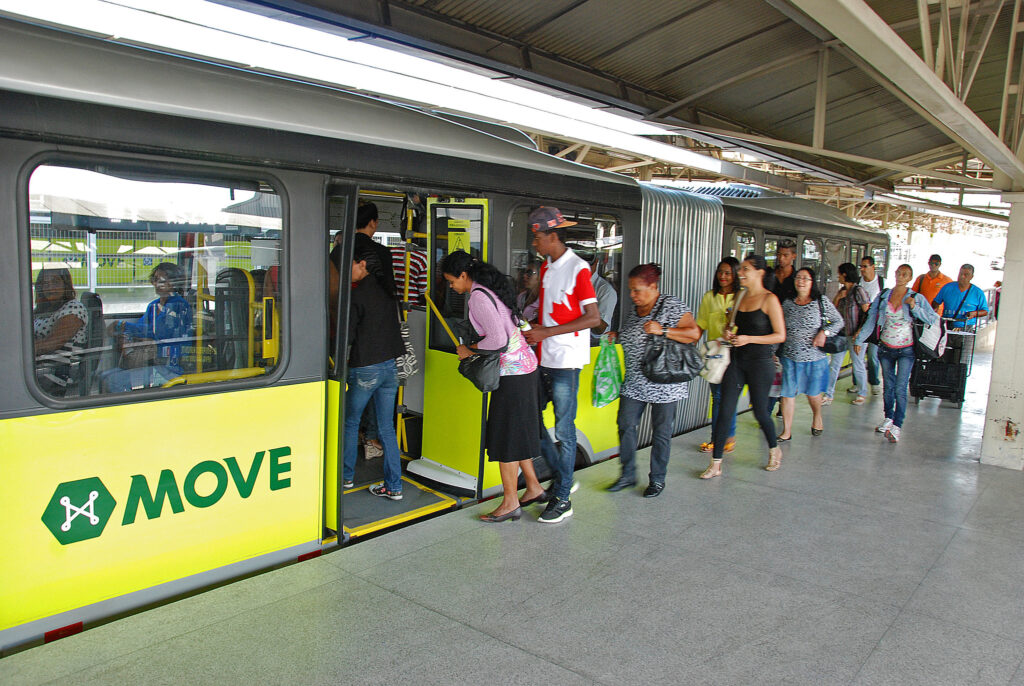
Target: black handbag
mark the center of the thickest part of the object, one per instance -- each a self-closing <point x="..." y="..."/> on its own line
<point x="484" y="368"/>
<point x="833" y="344"/>
<point x="668" y="361"/>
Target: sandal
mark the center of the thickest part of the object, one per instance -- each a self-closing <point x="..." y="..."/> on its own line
<point x="713" y="470"/>
<point x="859" y="400"/>
<point x="774" y="459"/>
<point x="706" y="447"/>
<point x="730" y="445"/>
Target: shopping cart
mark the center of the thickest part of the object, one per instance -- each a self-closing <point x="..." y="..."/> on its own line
<point x="946" y="377"/>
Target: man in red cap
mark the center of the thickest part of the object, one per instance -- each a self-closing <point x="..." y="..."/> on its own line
<point x="567" y="310"/>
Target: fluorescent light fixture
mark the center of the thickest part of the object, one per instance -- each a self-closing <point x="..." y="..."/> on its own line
<point x="234" y="37"/>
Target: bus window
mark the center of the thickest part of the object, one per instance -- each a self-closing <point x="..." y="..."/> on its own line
<point x="597" y="238"/>
<point x="880" y="253"/>
<point x="143" y="282"/>
<point x="771" y="249"/>
<point x="835" y="255"/>
<point x="743" y="243"/>
<point x="857" y="253"/>
<point x="454" y="224"/>
<point x="810" y="256"/>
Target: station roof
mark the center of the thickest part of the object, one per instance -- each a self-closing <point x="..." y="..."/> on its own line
<point x="748" y="71"/>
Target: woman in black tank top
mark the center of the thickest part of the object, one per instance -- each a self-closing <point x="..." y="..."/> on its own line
<point x="759" y="328"/>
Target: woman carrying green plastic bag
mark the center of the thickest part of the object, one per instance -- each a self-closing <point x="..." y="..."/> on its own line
<point x="607" y="374"/>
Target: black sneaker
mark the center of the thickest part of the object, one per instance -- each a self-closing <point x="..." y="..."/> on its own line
<point x="556" y="511"/>
<point x="382" y="491"/>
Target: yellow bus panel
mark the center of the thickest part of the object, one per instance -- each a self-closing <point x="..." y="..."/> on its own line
<point x="103" y="502"/>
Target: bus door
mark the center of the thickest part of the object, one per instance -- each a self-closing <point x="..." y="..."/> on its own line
<point x="454" y="411"/>
<point x="359" y="511"/>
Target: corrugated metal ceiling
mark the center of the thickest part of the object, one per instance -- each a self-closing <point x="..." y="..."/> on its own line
<point x="645" y="54"/>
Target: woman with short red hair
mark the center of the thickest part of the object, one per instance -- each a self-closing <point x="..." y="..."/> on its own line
<point x="652" y="314"/>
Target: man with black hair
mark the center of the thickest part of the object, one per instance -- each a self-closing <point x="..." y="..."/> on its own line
<point x="785" y="274"/>
<point x="568" y="307"/>
<point x="930" y="283"/>
<point x="366" y="226"/>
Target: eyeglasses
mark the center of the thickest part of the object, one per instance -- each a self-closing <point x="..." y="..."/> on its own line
<point x="803" y="278"/>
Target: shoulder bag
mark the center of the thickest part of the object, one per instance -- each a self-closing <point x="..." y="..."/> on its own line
<point x="483" y="367"/>
<point x="833" y="344"/>
<point x="666" y="361"/>
<point x="717" y="352"/>
<point x="930" y="339"/>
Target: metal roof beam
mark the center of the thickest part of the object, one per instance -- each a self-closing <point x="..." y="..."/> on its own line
<point x="860" y="29"/>
<point x="835" y="154"/>
<point x="754" y="73"/>
<point x="972" y="71"/>
<point x="1011" y="51"/>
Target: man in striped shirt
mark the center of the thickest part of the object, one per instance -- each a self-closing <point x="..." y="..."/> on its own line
<point x="417" y="271"/>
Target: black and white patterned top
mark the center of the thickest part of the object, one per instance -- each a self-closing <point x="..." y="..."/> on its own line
<point x="43" y="326"/>
<point x="802" y="325"/>
<point x="633" y="339"/>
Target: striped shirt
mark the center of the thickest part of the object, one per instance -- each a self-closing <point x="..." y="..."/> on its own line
<point x="417" y="272"/>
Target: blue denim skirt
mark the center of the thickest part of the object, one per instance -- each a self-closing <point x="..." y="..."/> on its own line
<point x="809" y="378"/>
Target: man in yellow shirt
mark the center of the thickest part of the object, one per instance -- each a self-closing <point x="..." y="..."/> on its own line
<point x="930" y="283"/>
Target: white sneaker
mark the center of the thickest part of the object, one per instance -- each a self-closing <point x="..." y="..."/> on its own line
<point x="893" y="434"/>
<point x="875" y="390"/>
<point x="884" y="426"/>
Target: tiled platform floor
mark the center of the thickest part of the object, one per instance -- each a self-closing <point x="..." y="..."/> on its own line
<point x="859" y="562"/>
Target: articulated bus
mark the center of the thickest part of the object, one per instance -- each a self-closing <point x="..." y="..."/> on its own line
<point x="139" y="469"/>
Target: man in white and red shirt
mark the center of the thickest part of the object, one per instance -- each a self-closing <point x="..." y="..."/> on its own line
<point x="567" y="310"/>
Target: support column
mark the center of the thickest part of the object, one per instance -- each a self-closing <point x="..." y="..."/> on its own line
<point x="1003" y="442"/>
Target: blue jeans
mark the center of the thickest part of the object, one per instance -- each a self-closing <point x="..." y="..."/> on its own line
<point x="562" y="386"/>
<point x="860" y="380"/>
<point x="379" y="383"/>
<point x="872" y="364"/>
<point x="716" y="402"/>
<point x="897" y="364"/>
<point x="663" y="417"/>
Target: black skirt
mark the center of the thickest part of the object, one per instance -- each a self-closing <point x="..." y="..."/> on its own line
<point x="513" y="419"/>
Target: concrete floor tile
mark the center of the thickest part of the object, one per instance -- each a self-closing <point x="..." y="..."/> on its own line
<point x="976" y="584"/>
<point x="348" y="632"/>
<point x="919" y="649"/>
<point x="121" y="637"/>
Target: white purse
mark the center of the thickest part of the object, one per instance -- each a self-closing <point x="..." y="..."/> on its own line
<point x="716" y="352"/>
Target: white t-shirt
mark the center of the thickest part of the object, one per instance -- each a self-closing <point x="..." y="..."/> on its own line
<point x="565" y="289"/>
<point x="873" y="287"/>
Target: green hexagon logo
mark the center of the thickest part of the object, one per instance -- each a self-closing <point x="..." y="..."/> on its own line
<point x="78" y="510"/>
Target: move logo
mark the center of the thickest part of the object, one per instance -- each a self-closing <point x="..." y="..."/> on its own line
<point x="79" y="510"/>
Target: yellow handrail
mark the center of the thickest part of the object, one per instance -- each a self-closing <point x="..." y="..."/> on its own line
<point x="210" y="377"/>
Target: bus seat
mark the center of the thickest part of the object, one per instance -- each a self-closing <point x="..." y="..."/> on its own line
<point x="95" y="334"/>
<point x="233" y="319"/>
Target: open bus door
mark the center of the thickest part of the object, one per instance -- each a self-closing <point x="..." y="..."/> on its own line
<point x="452" y="454"/>
<point x="359" y="512"/>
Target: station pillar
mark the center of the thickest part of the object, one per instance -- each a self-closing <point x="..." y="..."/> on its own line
<point x="1003" y="441"/>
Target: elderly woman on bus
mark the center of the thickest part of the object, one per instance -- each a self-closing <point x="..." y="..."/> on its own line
<point x="59" y="328"/>
<point x="166" y="322"/>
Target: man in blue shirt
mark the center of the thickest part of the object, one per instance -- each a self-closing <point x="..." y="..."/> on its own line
<point x="963" y="302"/>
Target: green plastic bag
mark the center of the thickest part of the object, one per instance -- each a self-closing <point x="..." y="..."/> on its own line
<point x="607" y="374"/>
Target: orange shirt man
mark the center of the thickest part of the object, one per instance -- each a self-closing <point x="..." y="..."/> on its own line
<point x="930" y="283"/>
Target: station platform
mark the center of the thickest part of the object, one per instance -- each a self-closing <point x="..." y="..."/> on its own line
<point x="859" y="562"/>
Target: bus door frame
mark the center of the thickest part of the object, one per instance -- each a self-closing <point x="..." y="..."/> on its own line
<point x="334" y="389"/>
